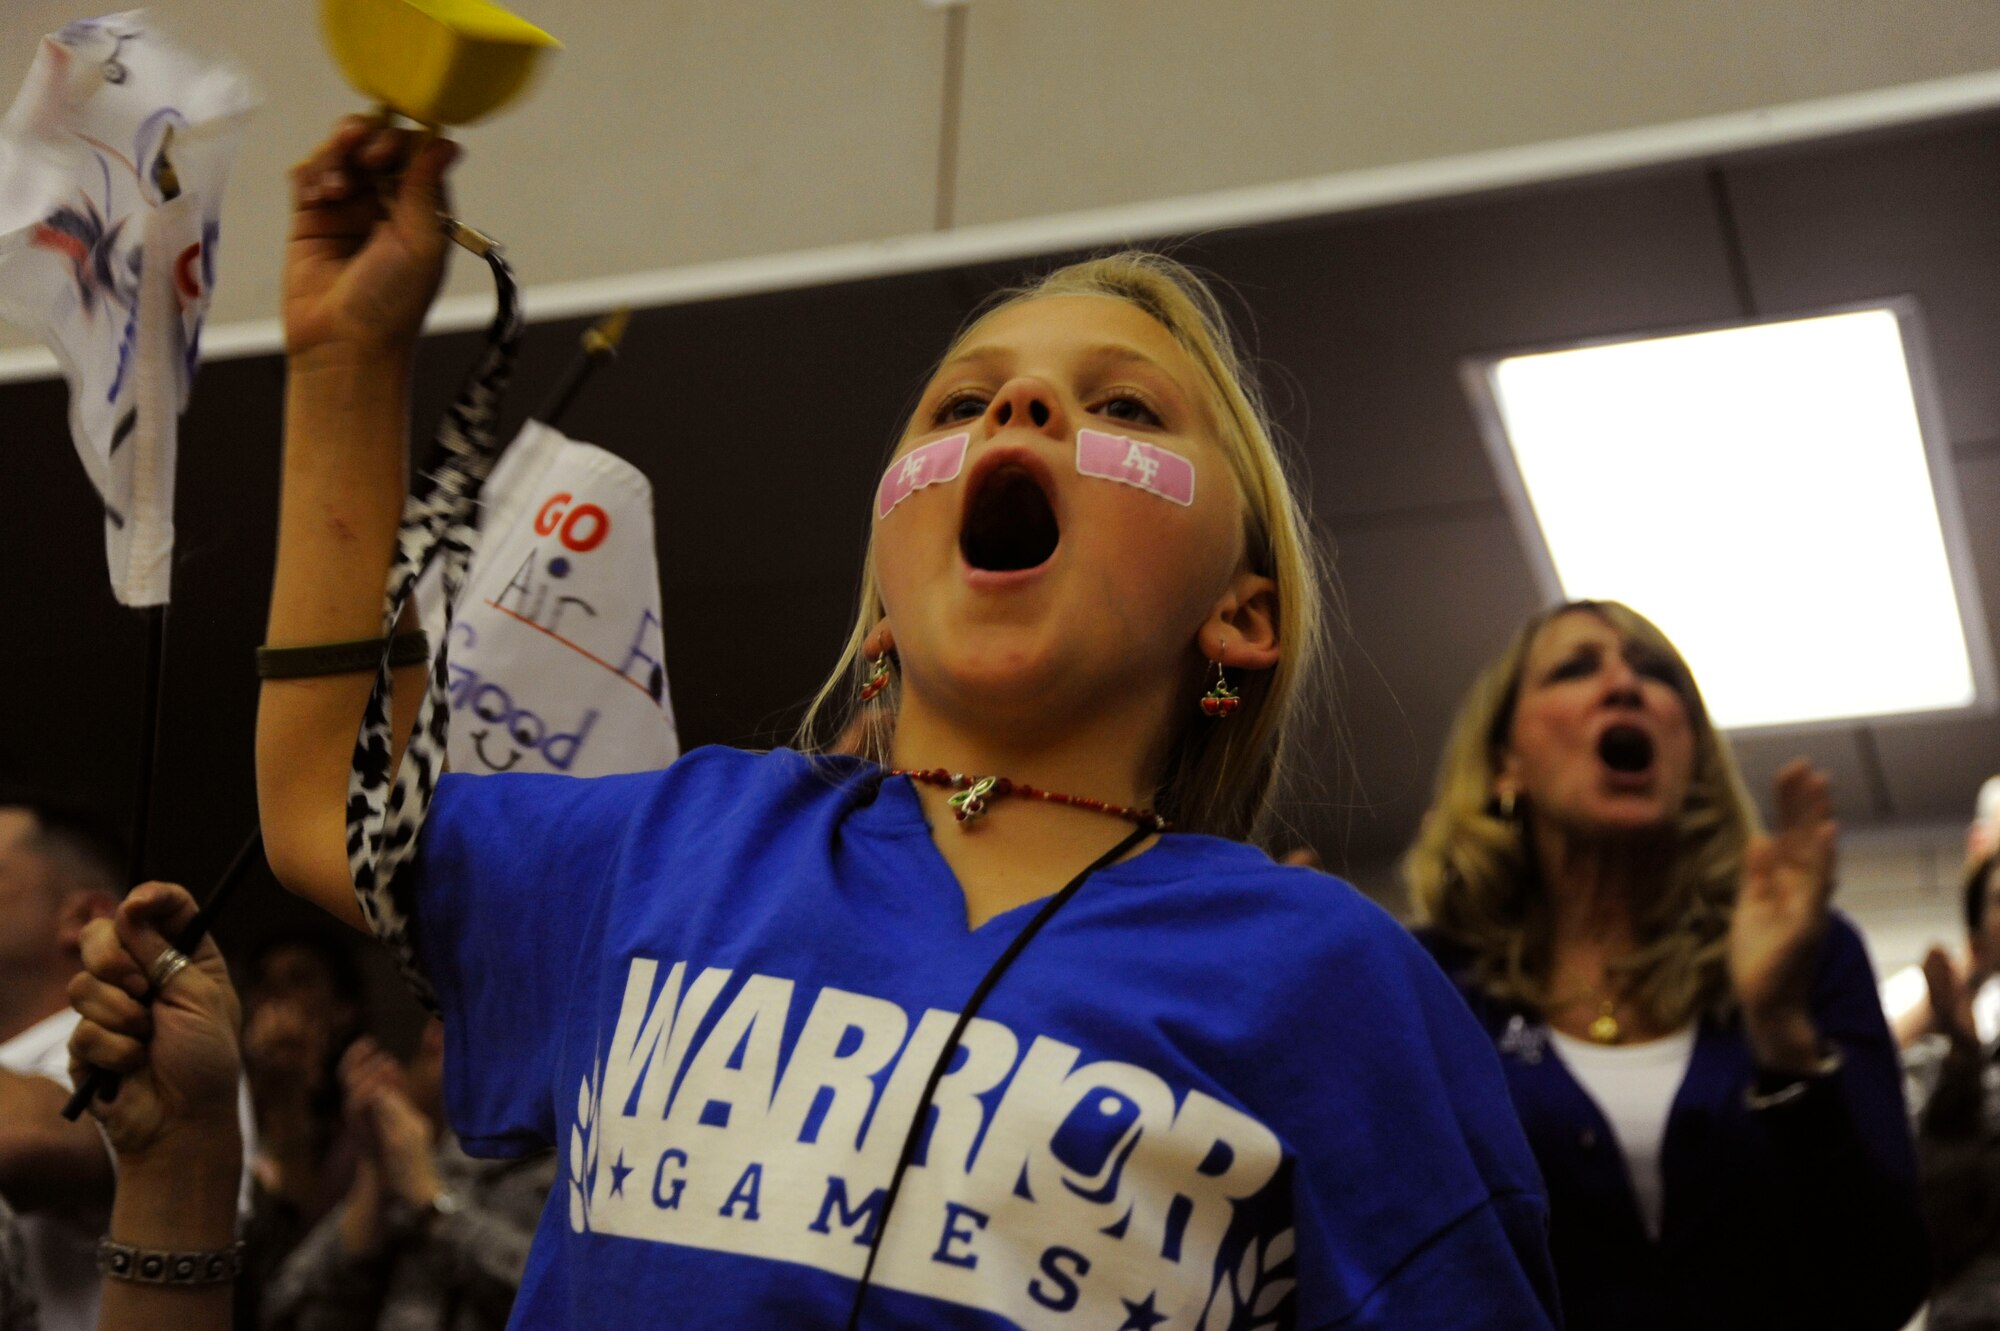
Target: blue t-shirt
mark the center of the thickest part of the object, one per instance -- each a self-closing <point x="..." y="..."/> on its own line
<point x="1213" y="1093"/>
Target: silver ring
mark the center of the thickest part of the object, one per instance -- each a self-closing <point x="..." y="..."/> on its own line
<point x="166" y="966"/>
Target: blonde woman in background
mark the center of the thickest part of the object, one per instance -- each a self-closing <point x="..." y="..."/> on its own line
<point x="1691" y="1036"/>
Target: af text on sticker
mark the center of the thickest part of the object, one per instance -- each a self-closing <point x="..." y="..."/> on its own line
<point x="933" y="464"/>
<point x="1156" y="470"/>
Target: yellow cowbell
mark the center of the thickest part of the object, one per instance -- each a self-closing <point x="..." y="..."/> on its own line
<point x="437" y="62"/>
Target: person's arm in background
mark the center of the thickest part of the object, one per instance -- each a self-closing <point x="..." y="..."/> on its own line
<point x="1958" y="1164"/>
<point x="1818" y="1140"/>
<point x="17" y="1303"/>
<point x="336" y="1278"/>
<point x="1956" y="1106"/>
<point x="49" y="1165"/>
<point x="359" y="275"/>
<point x="1845" y="1168"/>
<point x="1822" y="1173"/>
<point x="401" y="1209"/>
<point x="173" y="1124"/>
<point x="481" y="1249"/>
<point x="1813" y="1152"/>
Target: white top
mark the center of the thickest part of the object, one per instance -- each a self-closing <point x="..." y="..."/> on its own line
<point x="61" y="1258"/>
<point x="1634" y="1086"/>
<point x="1986" y="1013"/>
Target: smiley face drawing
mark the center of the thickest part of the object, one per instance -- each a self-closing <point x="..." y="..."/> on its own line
<point x="508" y="731"/>
<point x="514" y="730"/>
<point x="489" y="702"/>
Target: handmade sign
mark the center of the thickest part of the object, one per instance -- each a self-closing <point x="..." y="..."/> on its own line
<point x="557" y="662"/>
<point x="113" y="161"/>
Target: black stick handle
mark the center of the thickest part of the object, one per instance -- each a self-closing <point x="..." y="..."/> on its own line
<point x="600" y="344"/>
<point x="139" y="868"/>
<point x="100" y="1083"/>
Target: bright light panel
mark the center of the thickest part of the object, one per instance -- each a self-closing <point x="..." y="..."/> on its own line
<point x="1760" y="493"/>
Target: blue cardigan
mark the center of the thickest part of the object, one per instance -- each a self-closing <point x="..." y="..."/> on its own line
<point x="1799" y="1215"/>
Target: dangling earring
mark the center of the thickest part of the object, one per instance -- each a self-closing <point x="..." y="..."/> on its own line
<point x="878" y="678"/>
<point x="1220" y="700"/>
<point x="1505" y="800"/>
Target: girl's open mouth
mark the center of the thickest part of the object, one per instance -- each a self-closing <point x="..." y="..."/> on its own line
<point x="1009" y="524"/>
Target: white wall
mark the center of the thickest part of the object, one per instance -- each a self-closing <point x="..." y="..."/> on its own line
<point x="1072" y="105"/>
<point x="672" y="132"/>
<point x="1902" y="887"/>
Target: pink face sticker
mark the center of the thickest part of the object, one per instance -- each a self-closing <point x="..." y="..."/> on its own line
<point x="1149" y="467"/>
<point x="933" y="464"/>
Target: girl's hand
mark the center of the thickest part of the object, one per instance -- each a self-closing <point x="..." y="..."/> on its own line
<point x="367" y="249"/>
<point x="179" y="1059"/>
<point x="1781" y="920"/>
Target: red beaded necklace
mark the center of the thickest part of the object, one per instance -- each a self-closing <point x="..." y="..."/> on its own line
<point x="976" y="792"/>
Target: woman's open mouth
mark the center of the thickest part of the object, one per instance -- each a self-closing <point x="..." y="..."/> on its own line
<point x="1009" y="524"/>
<point x="1625" y="749"/>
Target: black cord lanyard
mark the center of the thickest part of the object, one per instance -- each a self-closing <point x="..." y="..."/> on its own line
<point x="971" y="1010"/>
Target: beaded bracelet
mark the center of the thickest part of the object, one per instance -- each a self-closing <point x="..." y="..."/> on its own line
<point x="342" y="658"/>
<point x="155" y="1266"/>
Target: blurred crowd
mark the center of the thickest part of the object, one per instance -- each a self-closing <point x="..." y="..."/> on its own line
<point x="354" y="1204"/>
<point x="1952" y="1044"/>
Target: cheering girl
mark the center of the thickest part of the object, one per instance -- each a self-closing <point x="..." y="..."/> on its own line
<point x="1000" y="1024"/>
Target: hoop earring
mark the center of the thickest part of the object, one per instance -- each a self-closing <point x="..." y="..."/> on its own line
<point x="1221" y="700"/>
<point x="878" y="679"/>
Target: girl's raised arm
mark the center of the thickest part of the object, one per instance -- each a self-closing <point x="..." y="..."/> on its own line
<point x="363" y="263"/>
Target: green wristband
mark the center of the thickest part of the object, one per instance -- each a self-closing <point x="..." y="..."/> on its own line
<point x="342" y="658"/>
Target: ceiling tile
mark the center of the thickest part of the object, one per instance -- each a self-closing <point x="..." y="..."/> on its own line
<point x="1072" y="105"/>
<point x="1935" y="768"/>
<point x="1834" y="752"/>
<point x="1366" y="321"/>
<point x="1902" y="213"/>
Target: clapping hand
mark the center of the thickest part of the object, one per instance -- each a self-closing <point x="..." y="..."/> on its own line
<point x="400" y="1140"/>
<point x="1781" y="921"/>
<point x="1951" y="997"/>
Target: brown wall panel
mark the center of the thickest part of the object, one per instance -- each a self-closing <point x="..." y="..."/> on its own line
<point x="762" y="422"/>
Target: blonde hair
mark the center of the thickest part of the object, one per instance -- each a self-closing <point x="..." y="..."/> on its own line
<point x="1472" y="875"/>
<point x="1219" y="778"/>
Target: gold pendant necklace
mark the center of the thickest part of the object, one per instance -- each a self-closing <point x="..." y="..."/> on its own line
<point x="1603" y="1027"/>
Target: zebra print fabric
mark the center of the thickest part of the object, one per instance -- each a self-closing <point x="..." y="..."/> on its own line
<point x="384" y="818"/>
